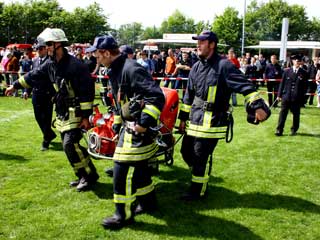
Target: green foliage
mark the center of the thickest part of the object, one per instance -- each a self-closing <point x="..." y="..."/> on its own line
<point x="228" y="27"/>
<point x="261" y="187"/>
<point x="22" y="22"/>
<point x="130" y="33"/>
<point x="264" y="21"/>
<point x="151" y="33"/>
<point x="178" y="23"/>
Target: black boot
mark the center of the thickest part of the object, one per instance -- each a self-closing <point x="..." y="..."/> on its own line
<point x="194" y="193"/>
<point x="74" y="183"/>
<point x="109" y="171"/>
<point x="118" y="220"/>
<point x="146" y="203"/>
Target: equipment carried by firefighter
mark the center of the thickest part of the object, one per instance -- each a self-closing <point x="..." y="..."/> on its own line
<point x="101" y="143"/>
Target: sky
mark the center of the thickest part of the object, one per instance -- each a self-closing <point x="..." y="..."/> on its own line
<point x="152" y="13"/>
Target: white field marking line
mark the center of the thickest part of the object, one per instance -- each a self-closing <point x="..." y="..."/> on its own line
<point x="15" y="115"/>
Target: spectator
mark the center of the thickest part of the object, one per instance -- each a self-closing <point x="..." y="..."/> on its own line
<point x="170" y="68"/>
<point x="272" y="74"/>
<point x="292" y="91"/>
<point x="146" y="62"/>
<point x="232" y="57"/>
<point x="182" y="71"/>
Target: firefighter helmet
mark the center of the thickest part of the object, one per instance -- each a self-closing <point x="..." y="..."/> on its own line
<point x="39" y="43"/>
<point x="53" y="35"/>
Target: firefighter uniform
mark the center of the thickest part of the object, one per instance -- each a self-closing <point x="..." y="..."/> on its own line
<point x="132" y="177"/>
<point x="206" y="109"/>
<point x="139" y="101"/>
<point x="73" y="101"/>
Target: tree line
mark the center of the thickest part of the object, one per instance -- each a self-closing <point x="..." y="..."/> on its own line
<point x="22" y="22"/>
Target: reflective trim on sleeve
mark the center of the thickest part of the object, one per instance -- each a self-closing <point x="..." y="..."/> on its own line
<point x="117" y="119"/>
<point x="185" y="108"/>
<point x="251" y="97"/>
<point x="23" y="82"/>
<point x="152" y="110"/>
<point x="86" y="105"/>
<point x="55" y="85"/>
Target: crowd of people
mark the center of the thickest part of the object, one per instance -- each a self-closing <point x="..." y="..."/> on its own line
<point x="64" y="77"/>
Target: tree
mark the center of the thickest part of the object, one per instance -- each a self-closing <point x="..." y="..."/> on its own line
<point x="178" y="23"/>
<point x="151" y="33"/>
<point x="228" y="28"/>
<point x="130" y="33"/>
<point x="264" y="21"/>
<point x="22" y="22"/>
<point x="82" y="25"/>
<point x="200" y="26"/>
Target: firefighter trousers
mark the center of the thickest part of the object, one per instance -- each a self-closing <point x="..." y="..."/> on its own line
<point x="132" y="181"/>
<point x="197" y="153"/>
<point x="77" y="155"/>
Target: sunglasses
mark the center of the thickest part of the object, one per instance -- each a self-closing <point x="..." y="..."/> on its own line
<point x="49" y="44"/>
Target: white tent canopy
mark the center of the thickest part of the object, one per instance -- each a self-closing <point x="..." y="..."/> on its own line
<point x="290" y="45"/>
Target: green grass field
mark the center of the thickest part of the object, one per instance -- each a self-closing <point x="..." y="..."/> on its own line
<point x="262" y="186"/>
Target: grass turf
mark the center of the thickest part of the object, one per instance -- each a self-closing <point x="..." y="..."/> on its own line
<point x="262" y="186"/>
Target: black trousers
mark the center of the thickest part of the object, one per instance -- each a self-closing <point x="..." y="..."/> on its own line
<point x="42" y="108"/>
<point x="195" y="152"/>
<point x="294" y="107"/>
<point x="272" y="87"/>
<point x="77" y="155"/>
<point x="141" y="176"/>
<point x="312" y="87"/>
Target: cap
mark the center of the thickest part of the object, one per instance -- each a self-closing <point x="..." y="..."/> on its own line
<point x="297" y="57"/>
<point x="103" y="42"/>
<point x="206" y="35"/>
<point x="126" y="49"/>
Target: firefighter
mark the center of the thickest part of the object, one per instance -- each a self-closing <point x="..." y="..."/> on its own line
<point x="206" y="110"/>
<point x="73" y="100"/>
<point x="139" y="101"/>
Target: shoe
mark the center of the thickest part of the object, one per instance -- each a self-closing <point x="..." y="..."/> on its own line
<point x="86" y="183"/>
<point x="146" y="209"/>
<point x="44" y="146"/>
<point x="188" y="196"/>
<point x="116" y="222"/>
<point x="74" y="183"/>
<point x="278" y="133"/>
<point x="293" y="133"/>
<point x="83" y="185"/>
<point x="109" y="172"/>
<point x="52" y="138"/>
